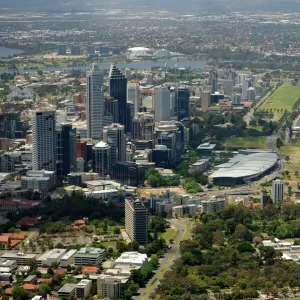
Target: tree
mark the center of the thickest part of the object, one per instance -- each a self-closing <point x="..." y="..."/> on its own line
<point x="117" y="230"/>
<point x="19" y="293"/>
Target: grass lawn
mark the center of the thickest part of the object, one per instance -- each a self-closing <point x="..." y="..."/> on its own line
<point x="283" y="98"/>
<point x="254" y="142"/>
<point x="170" y="233"/>
<point x="112" y="244"/>
<point x="293" y="150"/>
<point x="256" y="127"/>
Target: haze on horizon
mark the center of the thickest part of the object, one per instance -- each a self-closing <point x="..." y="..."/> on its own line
<point x="187" y="6"/>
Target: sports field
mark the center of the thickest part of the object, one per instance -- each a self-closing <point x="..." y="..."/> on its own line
<point x="252" y="142"/>
<point x="282" y="99"/>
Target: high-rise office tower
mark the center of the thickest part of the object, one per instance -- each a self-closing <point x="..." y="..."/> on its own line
<point x="112" y="108"/>
<point x="214" y="81"/>
<point x="75" y="50"/>
<point x="61" y="49"/>
<point x="118" y="90"/>
<point x="205" y="100"/>
<point x="12" y="126"/>
<point x="161" y="104"/>
<point x="143" y="127"/>
<point x="94" y="103"/>
<point x="102" y="158"/>
<point x="43" y="141"/>
<point x="251" y="93"/>
<point x="91" y="50"/>
<point x="136" y="221"/>
<point x="114" y="136"/>
<point x="66" y="149"/>
<point x="133" y="95"/>
<point x="129" y="117"/>
<point x="236" y="99"/>
<point x="183" y="99"/>
<point x="245" y="86"/>
<point x="277" y="191"/>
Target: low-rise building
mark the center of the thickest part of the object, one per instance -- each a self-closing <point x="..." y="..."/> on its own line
<point x="206" y="149"/>
<point x="68" y="258"/>
<point x="183" y="210"/>
<point x="201" y="165"/>
<point x="67" y="291"/>
<point x="133" y="258"/>
<point x="109" y="287"/>
<point x="89" y="256"/>
<point x="212" y="205"/>
<point x="83" y="288"/>
<point x="21" y="258"/>
<point x="50" y="257"/>
<point x="8" y="266"/>
<point x="39" y="180"/>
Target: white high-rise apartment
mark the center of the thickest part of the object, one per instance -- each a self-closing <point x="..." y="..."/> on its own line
<point x="162" y="104"/>
<point x="43" y="140"/>
<point x="245" y="86"/>
<point x="94" y="103"/>
<point x="133" y="95"/>
<point x="277" y="191"/>
<point x="114" y="136"/>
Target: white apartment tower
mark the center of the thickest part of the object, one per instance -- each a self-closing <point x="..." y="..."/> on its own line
<point x="43" y="140"/>
<point x="133" y="95"/>
<point x="277" y="191"/>
<point x="94" y="103"/>
<point x="162" y="104"/>
<point x="114" y="136"/>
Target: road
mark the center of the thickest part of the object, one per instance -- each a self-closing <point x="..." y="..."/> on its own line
<point x="166" y="262"/>
<point x="250" y="113"/>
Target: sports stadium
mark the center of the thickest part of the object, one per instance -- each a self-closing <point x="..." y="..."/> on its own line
<point x="244" y="168"/>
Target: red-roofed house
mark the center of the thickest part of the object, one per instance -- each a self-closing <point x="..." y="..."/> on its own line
<point x="90" y="270"/>
<point x="29" y="287"/>
<point x="28" y="221"/>
<point x="8" y="291"/>
<point x="60" y="271"/>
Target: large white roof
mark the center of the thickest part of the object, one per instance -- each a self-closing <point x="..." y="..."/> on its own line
<point x="133" y="49"/>
<point x="250" y="165"/>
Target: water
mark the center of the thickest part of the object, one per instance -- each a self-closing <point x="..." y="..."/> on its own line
<point x="7" y="52"/>
<point x="139" y="65"/>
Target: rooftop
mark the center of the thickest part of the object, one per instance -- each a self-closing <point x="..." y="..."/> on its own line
<point x="246" y="165"/>
<point x="67" y="288"/>
<point x="89" y="252"/>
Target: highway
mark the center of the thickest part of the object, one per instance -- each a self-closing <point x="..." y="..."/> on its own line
<point x="166" y="262"/>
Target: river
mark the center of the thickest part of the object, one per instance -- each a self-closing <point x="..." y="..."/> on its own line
<point x="138" y="65"/>
<point x="7" y="52"/>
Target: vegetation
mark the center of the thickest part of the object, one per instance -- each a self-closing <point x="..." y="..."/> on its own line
<point x="154" y="179"/>
<point x="284" y="98"/>
<point x="226" y="257"/>
<point x="191" y="186"/>
<point x="248" y="142"/>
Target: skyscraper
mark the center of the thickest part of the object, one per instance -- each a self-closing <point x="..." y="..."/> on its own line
<point x="118" y="90"/>
<point x="183" y="106"/>
<point x="143" y="127"/>
<point x="114" y="136"/>
<point x="277" y="191"/>
<point x="136" y="221"/>
<point x="205" y="100"/>
<point x="66" y="149"/>
<point x="102" y="158"/>
<point x="133" y="95"/>
<point x="214" y="81"/>
<point x="94" y="103"/>
<point x="162" y="104"/>
<point x="43" y="141"/>
<point x="245" y="87"/>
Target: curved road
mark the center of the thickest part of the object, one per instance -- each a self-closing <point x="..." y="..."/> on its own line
<point x="166" y="262"/>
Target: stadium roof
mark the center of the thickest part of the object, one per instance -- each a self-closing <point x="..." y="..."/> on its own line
<point x="242" y="166"/>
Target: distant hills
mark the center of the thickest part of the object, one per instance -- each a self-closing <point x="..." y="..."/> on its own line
<point x="184" y="6"/>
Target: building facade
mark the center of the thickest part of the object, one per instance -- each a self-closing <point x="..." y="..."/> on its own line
<point x="94" y="103"/>
<point x="136" y="221"/>
<point x="277" y="191"/>
<point x="43" y="141"/>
